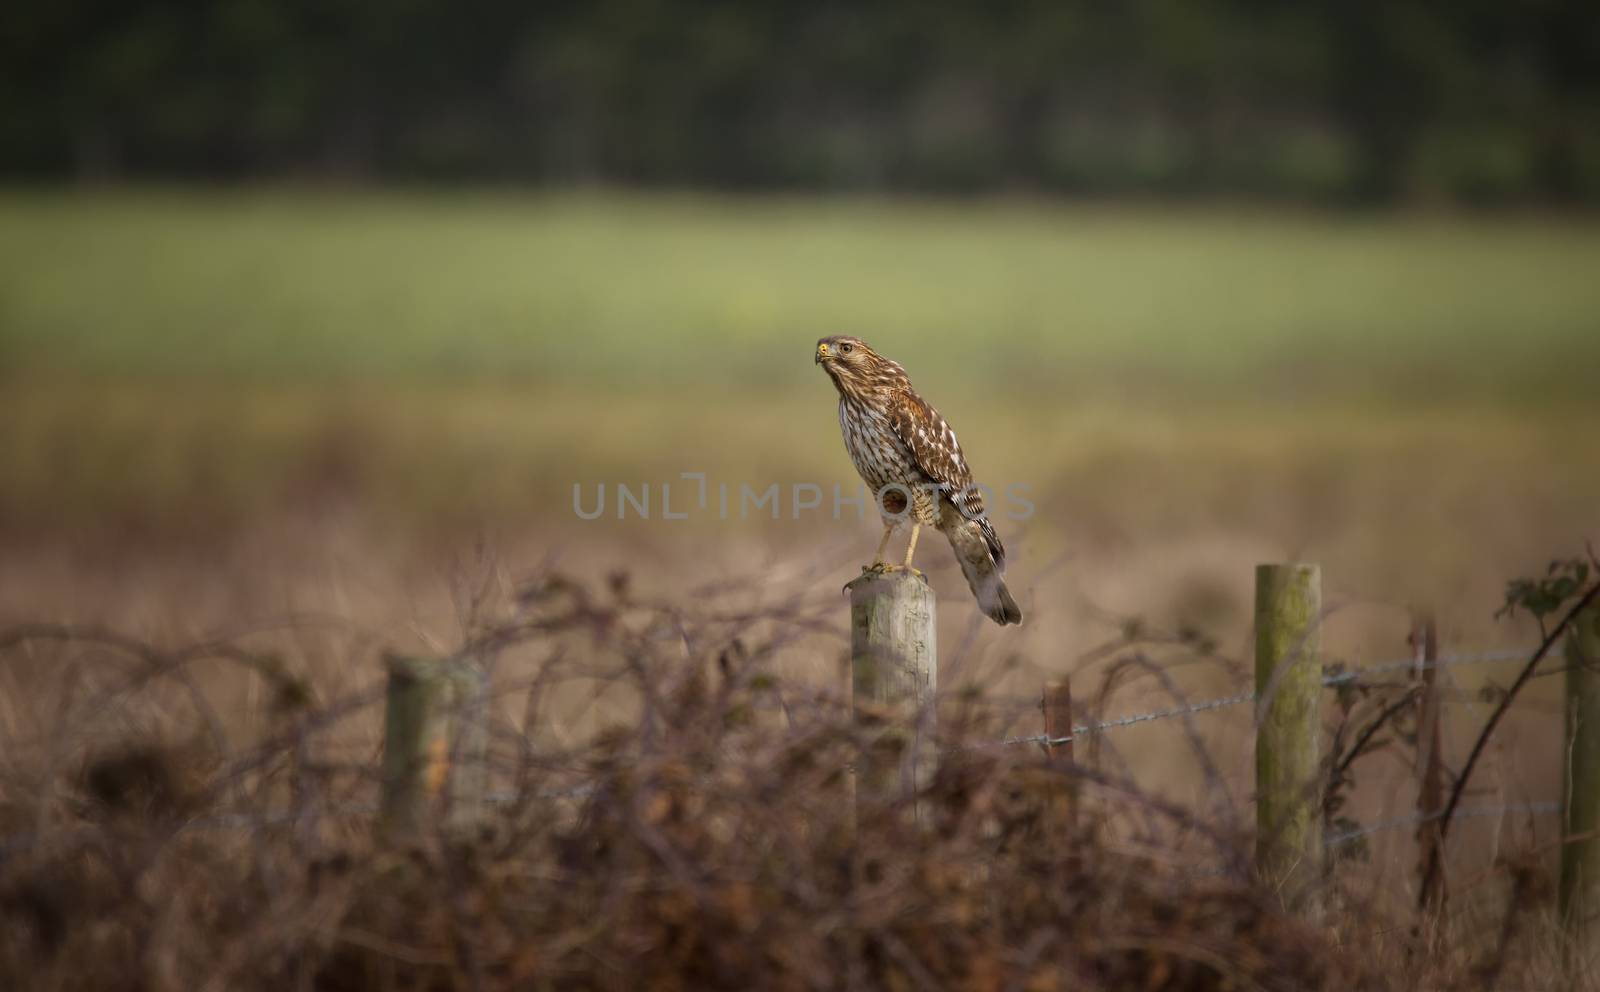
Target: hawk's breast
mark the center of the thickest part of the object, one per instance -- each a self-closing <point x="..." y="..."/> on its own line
<point x="877" y="451"/>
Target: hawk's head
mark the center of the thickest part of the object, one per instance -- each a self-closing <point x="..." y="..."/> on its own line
<point x="854" y="367"/>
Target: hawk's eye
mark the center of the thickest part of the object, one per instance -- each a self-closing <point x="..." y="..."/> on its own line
<point x="847" y="348"/>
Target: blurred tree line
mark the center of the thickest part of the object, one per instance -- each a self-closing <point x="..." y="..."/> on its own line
<point x="1475" y="100"/>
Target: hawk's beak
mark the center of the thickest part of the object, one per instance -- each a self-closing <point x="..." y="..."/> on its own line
<point x="822" y="352"/>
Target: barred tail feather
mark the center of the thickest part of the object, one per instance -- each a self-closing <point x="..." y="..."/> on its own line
<point x="978" y="550"/>
<point x="997" y="551"/>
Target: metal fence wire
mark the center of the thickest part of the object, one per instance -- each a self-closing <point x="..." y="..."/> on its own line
<point x="1352" y="677"/>
<point x="249" y="821"/>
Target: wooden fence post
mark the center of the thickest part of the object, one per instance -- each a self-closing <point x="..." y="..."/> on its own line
<point x="1057" y="703"/>
<point x="1430" y="760"/>
<point x="893" y="673"/>
<point x="1580" y="855"/>
<point x="1288" y="728"/>
<point x="434" y="743"/>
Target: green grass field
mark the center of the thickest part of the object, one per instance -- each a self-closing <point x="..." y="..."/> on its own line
<point x="622" y="290"/>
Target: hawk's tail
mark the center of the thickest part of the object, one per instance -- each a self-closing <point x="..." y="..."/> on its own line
<point x="982" y="559"/>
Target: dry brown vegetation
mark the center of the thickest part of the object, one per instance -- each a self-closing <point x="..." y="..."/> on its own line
<point x="696" y="832"/>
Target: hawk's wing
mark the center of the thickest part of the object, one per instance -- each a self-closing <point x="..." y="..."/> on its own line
<point x="933" y="446"/>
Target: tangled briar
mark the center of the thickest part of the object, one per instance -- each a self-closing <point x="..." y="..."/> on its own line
<point x="704" y="837"/>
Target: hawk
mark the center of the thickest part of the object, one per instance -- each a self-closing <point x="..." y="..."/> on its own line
<point x="906" y="452"/>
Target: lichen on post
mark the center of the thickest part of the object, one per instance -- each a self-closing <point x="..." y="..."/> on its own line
<point x="1288" y="728"/>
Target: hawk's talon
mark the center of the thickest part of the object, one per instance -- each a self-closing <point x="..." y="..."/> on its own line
<point x="877" y="568"/>
<point x="884" y="568"/>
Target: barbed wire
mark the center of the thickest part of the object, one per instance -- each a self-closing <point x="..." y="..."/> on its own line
<point x="1463" y="813"/>
<point x="1127" y="721"/>
<point x="238" y="820"/>
<point x="1351" y="677"/>
<point x="1487" y="658"/>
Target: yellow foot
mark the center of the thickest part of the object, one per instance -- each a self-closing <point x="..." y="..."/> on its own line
<point x="884" y="568"/>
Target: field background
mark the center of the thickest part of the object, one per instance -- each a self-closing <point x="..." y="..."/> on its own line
<point x="220" y="408"/>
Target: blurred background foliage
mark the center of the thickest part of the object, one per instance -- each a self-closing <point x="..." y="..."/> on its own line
<point x="1319" y="100"/>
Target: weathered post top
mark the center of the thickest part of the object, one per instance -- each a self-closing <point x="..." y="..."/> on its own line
<point x="893" y="646"/>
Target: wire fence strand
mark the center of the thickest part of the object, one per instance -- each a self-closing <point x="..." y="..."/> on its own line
<point x="229" y="821"/>
<point x="1464" y="813"/>
<point x="1351" y="677"/>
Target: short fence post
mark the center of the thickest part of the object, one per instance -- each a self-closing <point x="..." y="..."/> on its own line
<point x="1580" y="850"/>
<point x="1057" y="703"/>
<point x="1430" y="761"/>
<point x="434" y="744"/>
<point x="1288" y="693"/>
<point x="894" y="671"/>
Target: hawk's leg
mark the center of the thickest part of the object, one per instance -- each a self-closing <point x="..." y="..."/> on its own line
<point x="911" y="548"/>
<point x="883" y="545"/>
<point x="879" y="565"/>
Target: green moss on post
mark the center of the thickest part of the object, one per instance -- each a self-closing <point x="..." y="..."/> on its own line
<point x="1580" y="857"/>
<point x="1288" y="752"/>
<point x="434" y="743"/>
<point x="893" y="673"/>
